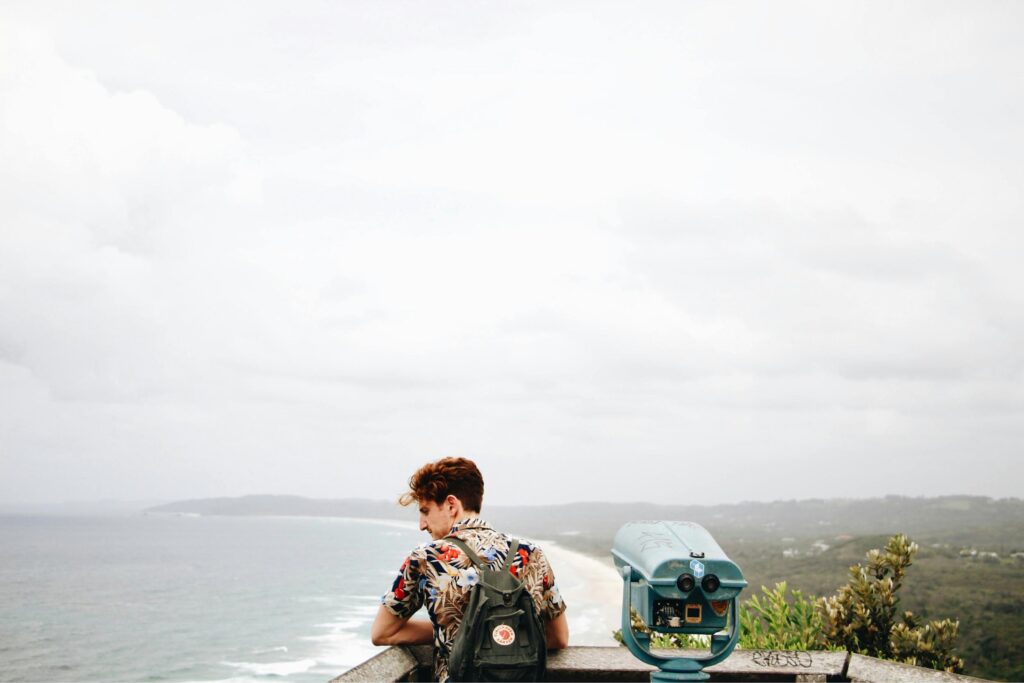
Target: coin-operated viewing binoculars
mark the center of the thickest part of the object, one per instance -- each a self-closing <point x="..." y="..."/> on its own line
<point x="679" y="581"/>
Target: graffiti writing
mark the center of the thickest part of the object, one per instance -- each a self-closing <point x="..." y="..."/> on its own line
<point x="791" y="658"/>
<point x="651" y="540"/>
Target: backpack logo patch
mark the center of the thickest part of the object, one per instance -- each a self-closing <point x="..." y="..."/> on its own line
<point x="503" y="634"/>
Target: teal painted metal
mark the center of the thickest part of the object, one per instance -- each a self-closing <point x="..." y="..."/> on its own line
<point x="678" y="580"/>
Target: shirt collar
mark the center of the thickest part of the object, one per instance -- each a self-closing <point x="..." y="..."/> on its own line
<point x="468" y="523"/>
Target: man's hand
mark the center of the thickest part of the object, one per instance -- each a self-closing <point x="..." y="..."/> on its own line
<point x="556" y="633"/>
<point x="388" y="629"/>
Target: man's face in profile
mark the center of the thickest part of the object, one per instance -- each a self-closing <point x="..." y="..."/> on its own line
<point x="434" y="519"/>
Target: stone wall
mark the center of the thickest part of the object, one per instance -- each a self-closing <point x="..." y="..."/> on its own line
<point x="617" y="664"/>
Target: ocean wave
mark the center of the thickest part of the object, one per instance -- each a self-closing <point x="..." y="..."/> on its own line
<point x="393" y="523"/>
<point x="366" y="610"/>
<point x="347" y="597"/>
<point x="342" y="650"/>
<point x="343" y="625"/>
<point x="274" y="668"/>
<point x="319" y="599"/>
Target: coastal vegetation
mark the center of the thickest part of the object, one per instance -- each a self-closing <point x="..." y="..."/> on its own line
<point x="780" y="619"/>
<point x="864" y="617"/>
<point x="861" y="617"/>
<point x="985" y="596"/>
<point x="968" y="567"/>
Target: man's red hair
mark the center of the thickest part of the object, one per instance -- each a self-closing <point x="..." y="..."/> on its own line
<point x="457" y="477"/>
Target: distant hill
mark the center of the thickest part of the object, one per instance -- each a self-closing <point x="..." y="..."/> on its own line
<point x="951" y="519"/>
<point x="286" y="506"/>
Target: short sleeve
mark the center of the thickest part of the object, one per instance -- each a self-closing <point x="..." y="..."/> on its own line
<point x="406" y="594"/>
<point x="540" y="580"/>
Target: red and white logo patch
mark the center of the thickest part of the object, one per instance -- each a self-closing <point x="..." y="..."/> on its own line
<point x="503" y="634"/>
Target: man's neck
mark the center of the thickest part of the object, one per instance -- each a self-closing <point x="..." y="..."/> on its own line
<point x="463" y="517"/>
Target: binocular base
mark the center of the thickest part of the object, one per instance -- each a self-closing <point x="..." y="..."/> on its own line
<point x="660" y="676"/>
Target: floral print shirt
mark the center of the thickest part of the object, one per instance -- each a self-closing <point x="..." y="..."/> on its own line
<point x="439" y="575"/>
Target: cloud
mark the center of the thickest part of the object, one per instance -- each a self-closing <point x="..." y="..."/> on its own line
<point x="830" y="292"/>
<point x="556" y="241"/>
<point x="104" y="195"/>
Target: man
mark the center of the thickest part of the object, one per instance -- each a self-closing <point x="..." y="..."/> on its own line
<point x="449" y="493"/>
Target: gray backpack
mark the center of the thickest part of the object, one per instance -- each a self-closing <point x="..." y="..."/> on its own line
<point x="501" y="637"/>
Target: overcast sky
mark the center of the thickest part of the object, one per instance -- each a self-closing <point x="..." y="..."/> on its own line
<point x="678" y="252"/>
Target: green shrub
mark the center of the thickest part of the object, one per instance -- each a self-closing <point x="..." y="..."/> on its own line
<point x="778" y="622"/>
<point x="862" y="616"/>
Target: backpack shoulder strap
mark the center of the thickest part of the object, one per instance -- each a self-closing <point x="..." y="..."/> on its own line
<point x="513" y="548"/>
<point x="473" y="557"/>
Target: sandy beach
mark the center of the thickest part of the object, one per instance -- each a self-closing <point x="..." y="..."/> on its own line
<point x="593" y="594"/>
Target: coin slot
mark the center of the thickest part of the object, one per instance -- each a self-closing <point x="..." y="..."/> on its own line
<point x="693" y="614"/>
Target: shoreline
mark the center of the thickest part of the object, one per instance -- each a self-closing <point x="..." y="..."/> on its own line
<point x="592" y="591"/>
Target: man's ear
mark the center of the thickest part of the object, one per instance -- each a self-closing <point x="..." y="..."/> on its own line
<point x="454" y="502"/>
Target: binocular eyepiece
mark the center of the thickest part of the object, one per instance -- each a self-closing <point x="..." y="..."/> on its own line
<point x="709" y="584"/>
<point x="686" y="582"/>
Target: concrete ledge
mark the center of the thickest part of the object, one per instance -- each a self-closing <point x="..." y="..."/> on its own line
<point x="868" y="669"/>
<point x="393" y="664"/>
<point x="617" y="664"/>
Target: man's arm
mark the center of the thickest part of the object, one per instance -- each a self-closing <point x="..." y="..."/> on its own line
<point x="388" y="629"/>
<point x="556" y="633"/>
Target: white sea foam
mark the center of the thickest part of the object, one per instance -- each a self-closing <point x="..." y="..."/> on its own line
<point x="358" y="598"/>
<point x="274" y="668"/>
<point x="321" y="599"/>
<point x="367" y="610"/>
<point x="345" y="645"/>
<point x="264" y="651"/>
<point x="343" y="650"/>
<point x="338" y="626"/>
<point x="394" y="523"/>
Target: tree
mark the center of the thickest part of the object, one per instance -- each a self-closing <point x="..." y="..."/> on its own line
<point x="862" y="616"/>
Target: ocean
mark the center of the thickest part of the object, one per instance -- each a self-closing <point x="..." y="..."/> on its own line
<point x="239" y="599"/>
